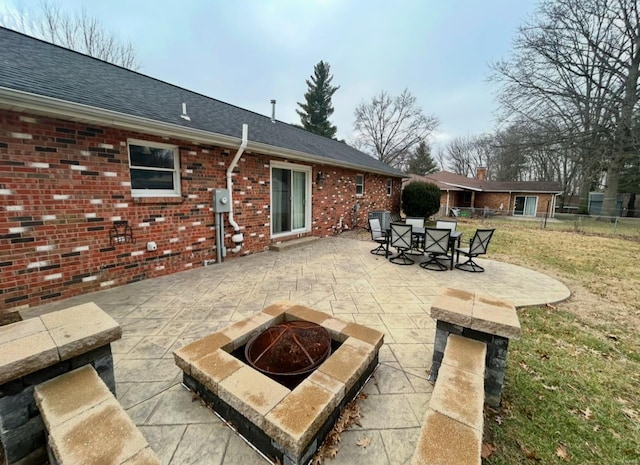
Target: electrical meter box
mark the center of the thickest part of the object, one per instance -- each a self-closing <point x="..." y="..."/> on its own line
<point x="221" y="201"/>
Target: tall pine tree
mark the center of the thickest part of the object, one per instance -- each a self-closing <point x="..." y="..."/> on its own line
<point x="422" y="162"/>
<point x="317" y="107"/>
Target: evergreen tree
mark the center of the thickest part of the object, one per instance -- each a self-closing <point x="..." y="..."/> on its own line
<point x="420" y="199"/>
<point x="317" y="107"/>
<point x="422" y="162"/>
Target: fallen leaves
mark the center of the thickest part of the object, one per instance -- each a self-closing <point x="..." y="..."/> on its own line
<point x="364" y="442"/>
<point x="528" y="453"/>
<point x="487" y="450"/>
<point x="349" y="416"/>
<point x="586" y="413"/>
<point x="562" y="453"/>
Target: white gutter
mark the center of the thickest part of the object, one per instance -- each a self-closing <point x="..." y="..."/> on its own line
<point x="23" y="101"/>
<point x="237" y="238"/>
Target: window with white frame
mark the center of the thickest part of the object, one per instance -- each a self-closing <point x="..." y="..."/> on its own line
<point x="359" y="184"/>
<point x="154" y="169"/>
<point x="389" y="186"/>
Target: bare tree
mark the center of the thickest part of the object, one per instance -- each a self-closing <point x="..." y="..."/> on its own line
<point x="578" y="64"/>
<point x="467" y="153"/>
<point x="80" y="32"/>
<point x="389" y="128"/>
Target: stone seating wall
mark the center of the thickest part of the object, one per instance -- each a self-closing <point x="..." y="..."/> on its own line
<point x="452" y="431"/>
<point x="39" y="349"/>
<point x="86" y="424"/>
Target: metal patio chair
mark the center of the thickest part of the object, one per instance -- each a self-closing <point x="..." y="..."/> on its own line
<point x="446" y="224"/>
<point x="379" y="236"/>
<point x="401" y="235"/>
<point x="416" y="223"/>
<point x="436" y="246"/>
<point x="477" y="246"/>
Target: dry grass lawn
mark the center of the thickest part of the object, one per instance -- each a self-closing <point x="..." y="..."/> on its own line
<point x="572" y="389"/>
<point x="573" y="381"/>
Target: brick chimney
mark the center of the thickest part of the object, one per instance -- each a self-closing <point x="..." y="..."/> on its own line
<point x="481" y="173"/>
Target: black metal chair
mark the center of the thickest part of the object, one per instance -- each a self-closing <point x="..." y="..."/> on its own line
<point x="477" y="246"/>
<point x="436" y="246"/>
<point x="379" y="236"/>
<point x="417" y="241"/>
<point x="401" y="235"/>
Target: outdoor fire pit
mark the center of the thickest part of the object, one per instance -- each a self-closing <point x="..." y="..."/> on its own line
<point x="238" y="372"/>
<point x="288" y="352"/>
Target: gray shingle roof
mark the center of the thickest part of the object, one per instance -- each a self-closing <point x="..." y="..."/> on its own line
<point x="446" y="180"/>
<point x="37" y="67"/>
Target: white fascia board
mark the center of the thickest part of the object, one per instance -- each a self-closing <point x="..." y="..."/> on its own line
<point x="16" y="100"/>
<point x="461" y="186"/>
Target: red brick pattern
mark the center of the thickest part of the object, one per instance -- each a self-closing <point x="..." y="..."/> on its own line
<point x="63" y="184"/>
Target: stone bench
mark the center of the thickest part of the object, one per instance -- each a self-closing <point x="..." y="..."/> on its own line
<point x="480" y="317"/>
<point x="36" y="350"/>
<point x="86" y="424"/>
<point x="452" y="431"/>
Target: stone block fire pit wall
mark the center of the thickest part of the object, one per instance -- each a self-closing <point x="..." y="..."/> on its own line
<point x="283" y="424"/>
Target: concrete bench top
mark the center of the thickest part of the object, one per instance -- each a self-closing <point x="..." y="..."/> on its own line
<point x="453" y="425"/>
<point x="477" y="311"/>
<point x="30" y="345"/>
<point x="87" y="425"/>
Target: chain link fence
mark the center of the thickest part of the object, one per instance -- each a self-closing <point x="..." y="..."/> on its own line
<point x="585" y="224"/>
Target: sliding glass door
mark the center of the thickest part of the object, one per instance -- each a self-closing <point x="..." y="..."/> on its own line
<point x="290" y="199"/>
<point x="526" y="205"/>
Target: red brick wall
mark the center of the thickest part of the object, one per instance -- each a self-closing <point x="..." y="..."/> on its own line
<point x="62" y="185"/>
<point x="493" y="200"/>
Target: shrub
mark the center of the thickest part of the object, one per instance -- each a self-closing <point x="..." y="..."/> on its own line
<point x="420" y="199"/>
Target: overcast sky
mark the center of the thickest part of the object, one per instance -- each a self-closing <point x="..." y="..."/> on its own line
<point x="247" y="52"/>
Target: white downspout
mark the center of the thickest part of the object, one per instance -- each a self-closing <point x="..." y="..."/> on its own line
<point x="237" y="238"/>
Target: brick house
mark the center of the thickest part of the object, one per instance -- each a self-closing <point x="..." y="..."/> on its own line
<point x="473" y="196"/>
<point x="107" y="176"/>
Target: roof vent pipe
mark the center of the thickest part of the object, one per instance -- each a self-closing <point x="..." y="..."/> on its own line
<point x="184" y="112"/>
<point x="273" y="111"/>
<point x="237" y="238"/>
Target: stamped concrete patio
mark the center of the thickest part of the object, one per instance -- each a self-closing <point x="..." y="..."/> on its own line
<point x="335" y="275"/>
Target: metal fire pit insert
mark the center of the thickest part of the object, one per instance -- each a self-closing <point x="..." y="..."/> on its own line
<point x="283" y="424"/>
<point x="289" y="351"/>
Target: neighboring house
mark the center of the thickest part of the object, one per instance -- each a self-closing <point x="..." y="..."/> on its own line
<point x="472" y="196"/>
<point x="107" y="176"/>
